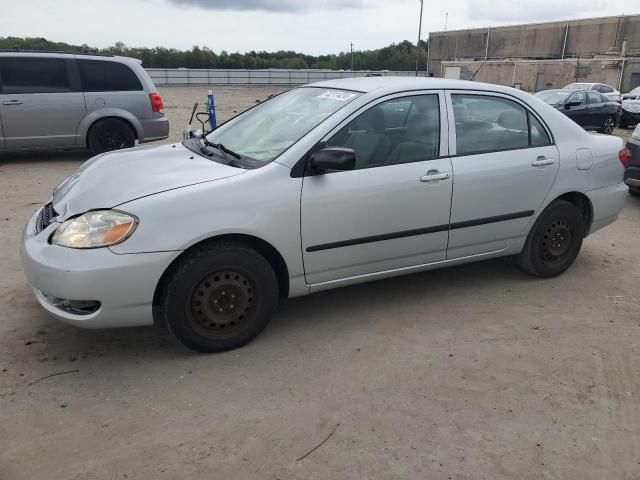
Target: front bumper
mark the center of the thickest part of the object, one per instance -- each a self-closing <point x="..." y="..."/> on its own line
<point x="629" y="118"/>
<point x="154" y="129"/>
<point x="122" y="285"/>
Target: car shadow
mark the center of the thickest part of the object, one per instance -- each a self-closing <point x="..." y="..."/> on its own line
<point x="39" y="156"/>
<point x="343" y="308"/>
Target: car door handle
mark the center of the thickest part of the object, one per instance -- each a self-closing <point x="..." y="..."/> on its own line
<point x="433" y="176"/>
<point x="12" y="102"/>
<point x="542" y="161"/>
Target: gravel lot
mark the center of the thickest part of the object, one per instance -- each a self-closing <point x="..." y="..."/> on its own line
<point x="473" y="372"/>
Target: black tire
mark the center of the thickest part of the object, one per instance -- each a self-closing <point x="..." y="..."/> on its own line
<point x="110" y="134"/>
<point x="554" y="241"/>
<point x="609" y="125"/>
<point x="219" y="297"/>
<point x="635" y="191"/>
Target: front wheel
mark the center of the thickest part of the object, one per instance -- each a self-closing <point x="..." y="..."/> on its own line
<point x="220" y="297"/>
<point x="609" y="125"/>
<point x="554" y="241"/>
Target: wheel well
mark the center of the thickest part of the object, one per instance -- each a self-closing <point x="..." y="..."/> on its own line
<point x="264" y="248"/>
<point x="581" y="201"/>
<point x="124" y="120"/>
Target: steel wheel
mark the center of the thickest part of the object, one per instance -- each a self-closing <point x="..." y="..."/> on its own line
<point x="556" y="242"/>
<point x="218" y="296"/>
<point x="222" y="303"/>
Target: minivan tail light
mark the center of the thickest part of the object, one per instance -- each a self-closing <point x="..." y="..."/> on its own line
<point x="623" y="155"/>
<point x="156" y="102"/>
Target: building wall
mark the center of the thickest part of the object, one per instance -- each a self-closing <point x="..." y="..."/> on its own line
<point x="584" y="39"/>
<point x="523" y="74"/>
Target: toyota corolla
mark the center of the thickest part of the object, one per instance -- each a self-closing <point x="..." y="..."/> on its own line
<point x="325" y="185"/>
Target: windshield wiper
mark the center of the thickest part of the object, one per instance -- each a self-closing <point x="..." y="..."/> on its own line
<point x="221" y="147"/>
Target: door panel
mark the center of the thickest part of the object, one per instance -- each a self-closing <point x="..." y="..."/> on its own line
<point x="41" y="119"/>
<point x="350" y="219"/>
<point x="392" y="210"/>
<point x="496" y="193"/>
<point x="501" y="191"/>
<point x="579" y="113"/>
<point x="41" y="103"/>
<point x="1" y="135"/>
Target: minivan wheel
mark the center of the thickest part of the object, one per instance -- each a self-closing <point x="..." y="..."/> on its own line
<point x="110" y="134"/>
<point x="609" y="125"/>
<point x="554" y="241"/>
<point x="220" y="297"/>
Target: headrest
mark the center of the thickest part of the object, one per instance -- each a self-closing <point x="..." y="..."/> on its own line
<point x="513" y="120"/>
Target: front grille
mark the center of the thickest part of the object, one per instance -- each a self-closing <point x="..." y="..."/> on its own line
<point x="45" y="217"/>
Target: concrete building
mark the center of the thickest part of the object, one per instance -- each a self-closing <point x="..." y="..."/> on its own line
<point x="543" y="55"/>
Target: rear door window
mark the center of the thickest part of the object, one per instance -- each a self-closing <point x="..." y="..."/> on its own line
<point x="107" y="76"/>
<point x="595" y="97"/>
<point x="34" y="75"/>
<point x="489" y="124"/>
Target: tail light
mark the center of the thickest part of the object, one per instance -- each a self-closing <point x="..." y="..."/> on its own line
<point x="156" y="102"/>
<point x="623" y="155"/>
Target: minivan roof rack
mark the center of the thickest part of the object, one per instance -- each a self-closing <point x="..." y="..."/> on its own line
<point x="96" y="54"/>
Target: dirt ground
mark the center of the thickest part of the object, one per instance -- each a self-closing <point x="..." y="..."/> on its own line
<point x="473" y="372"/>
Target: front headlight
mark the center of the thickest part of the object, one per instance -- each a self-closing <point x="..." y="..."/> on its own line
<point x="94" y="229"/>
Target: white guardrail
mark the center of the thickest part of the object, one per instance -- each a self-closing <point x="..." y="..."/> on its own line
<point x="192" y="76"/>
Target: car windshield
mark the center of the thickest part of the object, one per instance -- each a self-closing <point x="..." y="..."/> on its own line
<point x="635" y="91"/>
<point x="553" y="98"/>
<point x="268" y="129"/>
<point x="578" y="86"/>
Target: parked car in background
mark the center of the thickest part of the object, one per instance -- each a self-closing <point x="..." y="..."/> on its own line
<point x="630" y="110"/>
<point x="61" y="100"/>
<point x="606" y="90"/>
<point x="631" y="93"/>
<point x="329" y="184"/>
<point x="632" y="172"/>
<point x="590" y="110"/>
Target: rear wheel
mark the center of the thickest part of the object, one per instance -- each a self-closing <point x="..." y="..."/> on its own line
<point x="609" y="125"/>
<point x="220" y="298"/>
<point x="110" y="134"/>
<point x="554" y="241"/>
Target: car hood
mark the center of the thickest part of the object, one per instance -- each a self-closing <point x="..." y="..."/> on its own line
<point x="113" y="178"/>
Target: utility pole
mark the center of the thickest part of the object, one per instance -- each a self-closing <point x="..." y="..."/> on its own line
<point x="419" y="34"/>
<point x="446" y="20"/>
<point x="351" y="56"/>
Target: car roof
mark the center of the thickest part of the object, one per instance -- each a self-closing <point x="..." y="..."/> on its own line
<point x="390" y="84"/>
<point x="47" y="54"/>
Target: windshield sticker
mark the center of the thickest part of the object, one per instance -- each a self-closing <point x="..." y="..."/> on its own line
<point x="339" y="95"/>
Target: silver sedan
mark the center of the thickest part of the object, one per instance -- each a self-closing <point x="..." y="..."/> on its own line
<point x="325" y="185"/>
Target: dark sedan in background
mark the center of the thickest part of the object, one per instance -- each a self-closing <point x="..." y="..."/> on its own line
<point x="591" y="110"/>
<point x="632" y="173"/>
<point x="630" y="108"/>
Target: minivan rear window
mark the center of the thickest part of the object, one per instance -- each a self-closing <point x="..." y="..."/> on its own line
<point x="106" y="76"/>
<point x="33" y="75"/>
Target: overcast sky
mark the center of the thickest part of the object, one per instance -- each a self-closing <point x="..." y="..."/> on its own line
<point x="310" y="26"/>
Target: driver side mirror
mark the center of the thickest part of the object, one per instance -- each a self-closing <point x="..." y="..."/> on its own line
<point x="333" y="159"/>
<point x="568" y="105"/>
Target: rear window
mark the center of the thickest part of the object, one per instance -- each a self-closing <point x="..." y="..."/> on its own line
<point x="595" y="97"/>
<point x="34" y="75"/>
<point x="106" y="76"/>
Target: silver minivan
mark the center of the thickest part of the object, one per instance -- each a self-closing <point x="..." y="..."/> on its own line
<point x="62" y="100"/>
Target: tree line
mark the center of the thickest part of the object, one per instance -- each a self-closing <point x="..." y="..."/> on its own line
<point x="397" y="56"/>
